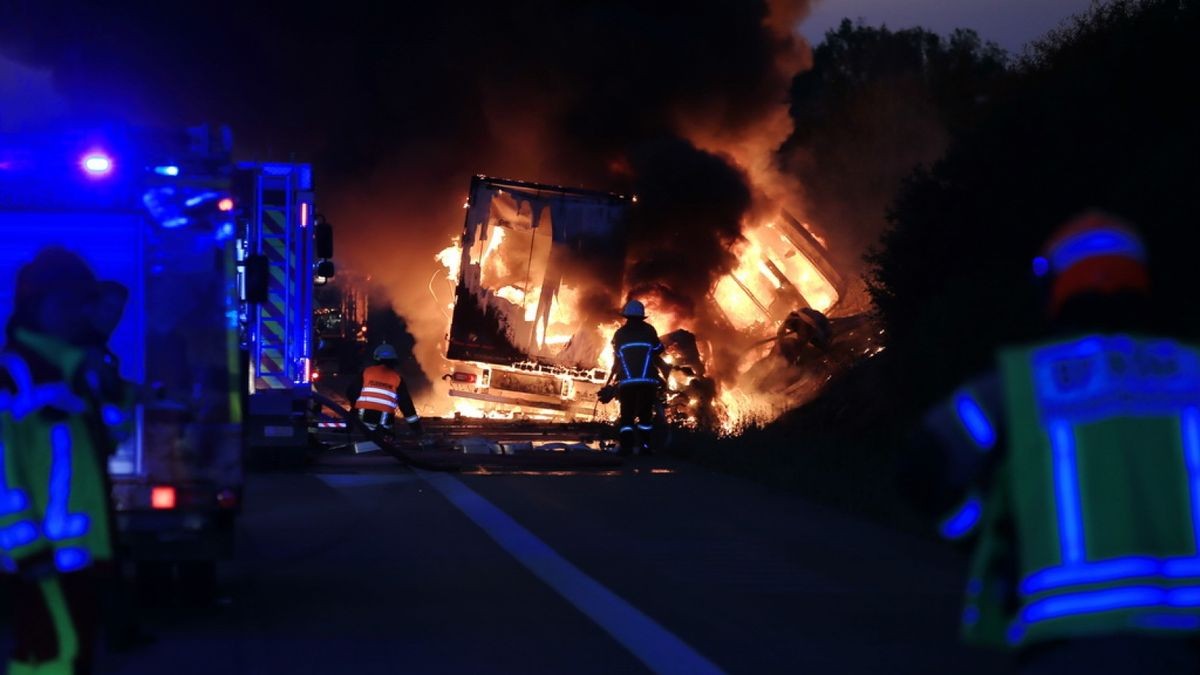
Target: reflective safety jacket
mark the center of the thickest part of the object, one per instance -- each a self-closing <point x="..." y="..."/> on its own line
<point x="379" y="389"/>
<point x="53" y="495"/>
<point x="1090" y="518"/>
<point x="635" y="348"/>
<point x="383" y="390"/>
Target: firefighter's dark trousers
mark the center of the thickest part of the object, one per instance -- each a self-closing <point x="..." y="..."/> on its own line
<point x="637" y="416"/>
<point x="55" y="623"/>
<point x="376" y="418"/>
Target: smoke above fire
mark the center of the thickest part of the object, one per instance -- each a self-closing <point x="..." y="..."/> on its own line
<point x="681" y="103"/>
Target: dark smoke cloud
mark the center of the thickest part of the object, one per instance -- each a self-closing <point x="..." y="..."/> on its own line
<point x="355" y="83"/>
<point x="398" y="104"/>
<point x="688" y="215"/>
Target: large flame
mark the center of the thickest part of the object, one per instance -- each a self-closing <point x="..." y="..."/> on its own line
<point x="774" y="275"/>
<point x="451" y="259"/>
<point x="779" y="269"/>
<point x="771" y="270"/>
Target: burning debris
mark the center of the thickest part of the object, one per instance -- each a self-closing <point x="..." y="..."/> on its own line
<point x="539" y="271"/>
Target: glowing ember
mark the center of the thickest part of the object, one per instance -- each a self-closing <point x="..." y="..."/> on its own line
<point x="465" y="408"/>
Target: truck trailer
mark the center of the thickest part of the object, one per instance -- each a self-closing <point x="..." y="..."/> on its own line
<point x="527" y="334"/>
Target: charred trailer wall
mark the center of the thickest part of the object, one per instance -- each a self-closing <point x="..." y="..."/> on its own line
<point x="541" y="270"/>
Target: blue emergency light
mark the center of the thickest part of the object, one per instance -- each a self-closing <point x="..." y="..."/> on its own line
<point x="97" y="164"/>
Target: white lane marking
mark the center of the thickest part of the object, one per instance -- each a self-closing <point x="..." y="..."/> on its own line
<point x="647" y="639"/>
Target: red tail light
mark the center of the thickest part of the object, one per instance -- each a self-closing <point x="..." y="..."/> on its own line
<point x="464" y="377"/>
<point x="162" y="497"/>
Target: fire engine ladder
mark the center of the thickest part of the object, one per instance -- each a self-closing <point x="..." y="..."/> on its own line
<point x="275" y="198"/>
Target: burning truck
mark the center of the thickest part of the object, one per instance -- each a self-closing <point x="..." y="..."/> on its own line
<point x="534" y="273"/>
<point x="537" y="275"/>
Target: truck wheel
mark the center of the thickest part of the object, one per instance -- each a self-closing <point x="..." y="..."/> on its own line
<point x="198" y="581"/>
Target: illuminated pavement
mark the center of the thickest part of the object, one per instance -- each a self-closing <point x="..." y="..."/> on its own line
<point x="378" y="572"/>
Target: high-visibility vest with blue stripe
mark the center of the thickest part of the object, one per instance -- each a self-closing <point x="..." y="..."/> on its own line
<point x="1091" y="525"/>
<point x="634" y="362"/>
<point x="53" y="495"/>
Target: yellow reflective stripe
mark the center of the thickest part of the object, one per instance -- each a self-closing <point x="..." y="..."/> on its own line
<point x="68" y="640"/>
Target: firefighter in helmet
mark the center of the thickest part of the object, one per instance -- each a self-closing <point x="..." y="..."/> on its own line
<point x="636" y="350"/>
<point x="1076" y="467"/>
<point x="380" y="390"/>
<point x="55" y="525"/>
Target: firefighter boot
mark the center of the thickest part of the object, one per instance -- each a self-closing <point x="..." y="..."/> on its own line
<point x="628" y="442"/>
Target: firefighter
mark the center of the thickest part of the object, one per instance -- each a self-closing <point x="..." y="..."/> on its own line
<point x="1076" y="465"/>
<point x="55" y="525"/>
<point x="636" y="350"/>
<point x="380" y="390"/>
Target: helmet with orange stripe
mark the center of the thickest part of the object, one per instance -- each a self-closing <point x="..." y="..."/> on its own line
<point x="1093" y="254"/>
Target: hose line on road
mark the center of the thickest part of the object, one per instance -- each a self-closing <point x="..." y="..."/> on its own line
<point x="388" y="446"/>
<point x="434" y="460"/>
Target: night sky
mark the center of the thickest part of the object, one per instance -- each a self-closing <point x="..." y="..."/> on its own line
<point x="1009" y="23"/>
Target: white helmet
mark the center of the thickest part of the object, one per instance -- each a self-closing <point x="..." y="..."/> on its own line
<point x="634" y="310"/>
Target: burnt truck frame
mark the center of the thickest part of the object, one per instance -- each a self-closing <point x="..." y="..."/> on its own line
<point x="501" y="354"/>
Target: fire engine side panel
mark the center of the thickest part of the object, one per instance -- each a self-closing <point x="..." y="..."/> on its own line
<point x="279" y="198"/>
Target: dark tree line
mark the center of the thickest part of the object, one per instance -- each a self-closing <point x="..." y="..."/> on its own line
<point x="875" y="103"/>
<point x="1101" y="113"/>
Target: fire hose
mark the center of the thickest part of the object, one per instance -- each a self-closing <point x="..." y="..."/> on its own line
<point x="441" y="460"/>
<point x="374" y="435"/>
